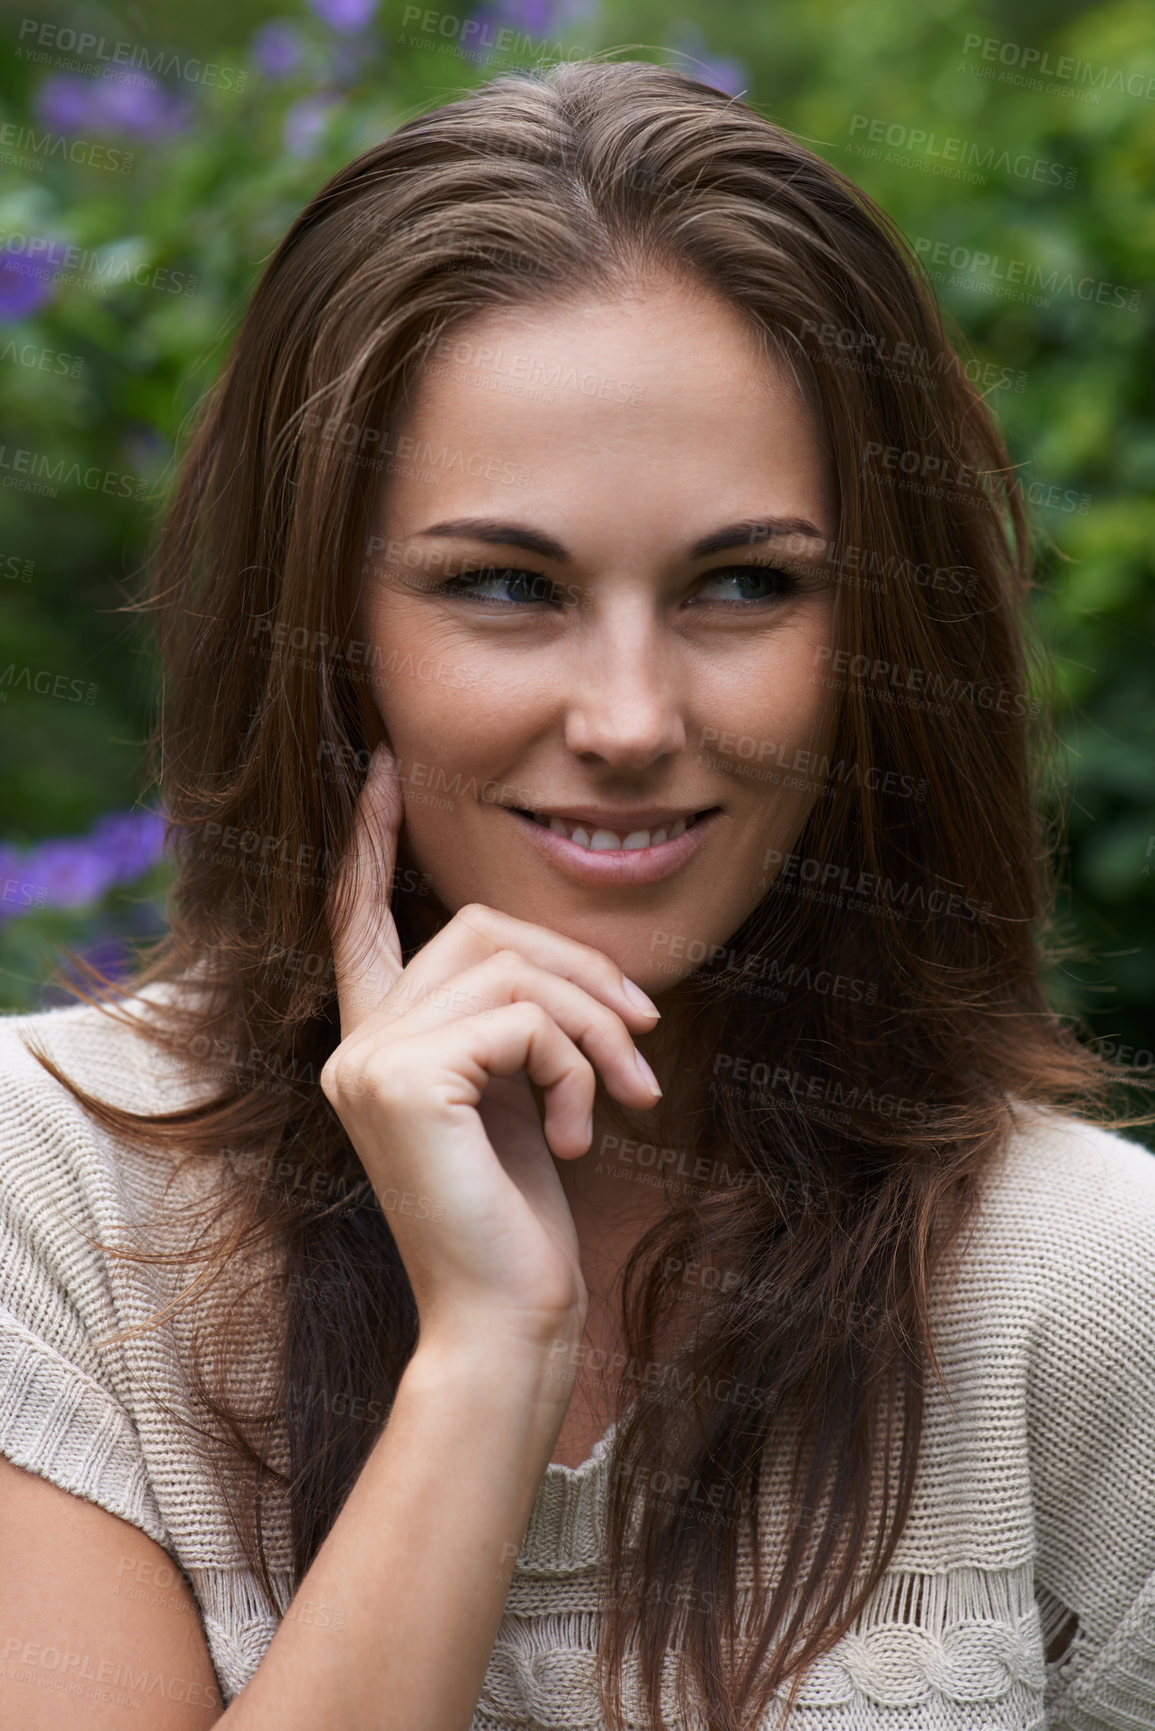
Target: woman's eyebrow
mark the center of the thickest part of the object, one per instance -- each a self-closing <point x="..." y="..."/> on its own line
<point x="500" y="535"/>
<point x="745" y="534"/>
<point x="753" y="531"/>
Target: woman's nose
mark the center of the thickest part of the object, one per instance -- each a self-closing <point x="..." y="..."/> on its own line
<point x="626" y="705"/>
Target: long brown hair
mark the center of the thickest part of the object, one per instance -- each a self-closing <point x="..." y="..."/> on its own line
<point x="859" y="1040"/>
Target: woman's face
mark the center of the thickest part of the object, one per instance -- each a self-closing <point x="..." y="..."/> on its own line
<point x="599" y="577"/>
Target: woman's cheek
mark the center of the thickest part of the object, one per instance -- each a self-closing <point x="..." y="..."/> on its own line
<point x="437" y="843"/>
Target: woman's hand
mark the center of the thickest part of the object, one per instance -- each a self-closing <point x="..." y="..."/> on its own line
<point x="432" y="1084"/>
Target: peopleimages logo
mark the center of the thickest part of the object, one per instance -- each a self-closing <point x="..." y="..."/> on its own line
<point x="43" y="360"/>
<point x="476" y="36"/>
<point x="29" y="471"/>
<point x="928" y="682"/>
<point x="941" y="153"/>
<point x="984" y="270"/>
<point x="16" y="139"/>
<point x="36" y="34"/>
<point x="46" y="683"/>
<point x="37" y="255"/>
<point x="1029" y="66"/>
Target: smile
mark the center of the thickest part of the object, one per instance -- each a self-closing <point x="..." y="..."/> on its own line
<point x="605" y="840"/>
<point x="595" y="849"/>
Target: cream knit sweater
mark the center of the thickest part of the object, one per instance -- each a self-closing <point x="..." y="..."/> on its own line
<point x="1035" y="1495"/>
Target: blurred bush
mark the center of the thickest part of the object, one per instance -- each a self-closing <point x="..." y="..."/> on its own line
<point x="148" y="173"/>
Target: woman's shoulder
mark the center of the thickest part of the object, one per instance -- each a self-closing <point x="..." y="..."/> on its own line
<point x="98" y="1220"/>
<point x="1039" y="1444"/>
<point x="105" y="1051"/>
<point x="110" y="1418"/>
<point x="1049" y="1314"/>
<point x="1053" y="1279"/>
<point x="1045" y="1143"/>
<point x="1070" y="1198"/>
<point x="57" y="1159"/>
<point x="1064" y="1355"/>
<point x="1047" y="1306"/>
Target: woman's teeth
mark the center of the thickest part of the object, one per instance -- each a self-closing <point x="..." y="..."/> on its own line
<point x="605" y="840"/>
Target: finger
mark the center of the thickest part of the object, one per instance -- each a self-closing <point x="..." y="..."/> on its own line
<point x="366" y="948"/>
<point x="476" y="933"/>
<point x="508" y="978"/>
<point x="522" y="1036"/>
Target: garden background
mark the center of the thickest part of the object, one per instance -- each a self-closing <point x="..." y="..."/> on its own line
<point x="152" y="154"/>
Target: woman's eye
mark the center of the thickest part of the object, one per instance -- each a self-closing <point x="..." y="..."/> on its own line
<point x="503" y="583"/>
<point x="748" y="583"/>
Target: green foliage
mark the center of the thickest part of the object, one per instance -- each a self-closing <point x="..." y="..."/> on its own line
<point x="1053" y="181"/>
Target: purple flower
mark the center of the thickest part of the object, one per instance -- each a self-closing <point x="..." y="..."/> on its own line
<point x="718" y="71"/>
<point x="348" y="16"/>
<point x="131" y="841"/>
<point x="68" y="103"/>
<point x="24" y="287"/>
<point x="149" y="110"/>
<point x="539" y="21"/>
<point x="276" y="49"/>
<point x="11" y="878"/>
<point x="530" y="18"/>
<point x="538" y="17"/>
<point x="305" y="123"/>
<point x="64" y="103"/>
<point x="75" y="871"/>
<point x="728" y="76"/>
<point x="535" y="17"/>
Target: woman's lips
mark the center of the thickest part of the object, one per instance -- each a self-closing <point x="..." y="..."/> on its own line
<point x="618" y="865"/>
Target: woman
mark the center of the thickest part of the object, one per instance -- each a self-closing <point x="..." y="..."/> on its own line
<point x="592" y="593"/>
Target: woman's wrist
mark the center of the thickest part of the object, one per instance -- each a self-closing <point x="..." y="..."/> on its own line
<point x="499" y="1365"/>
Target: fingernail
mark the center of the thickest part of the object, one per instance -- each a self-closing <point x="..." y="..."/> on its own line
<point x="590" y="1130"/>
<point x="645" y="1071"/>
<point x="638" y="998"/>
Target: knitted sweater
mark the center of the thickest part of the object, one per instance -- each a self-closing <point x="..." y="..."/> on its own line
<point x="1035" y="1494"/>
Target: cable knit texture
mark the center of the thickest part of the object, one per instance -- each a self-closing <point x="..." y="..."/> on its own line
<point x="1035" y="1496"/>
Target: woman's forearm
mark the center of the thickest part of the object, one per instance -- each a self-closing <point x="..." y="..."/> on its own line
<point x="413" y="1575"/>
